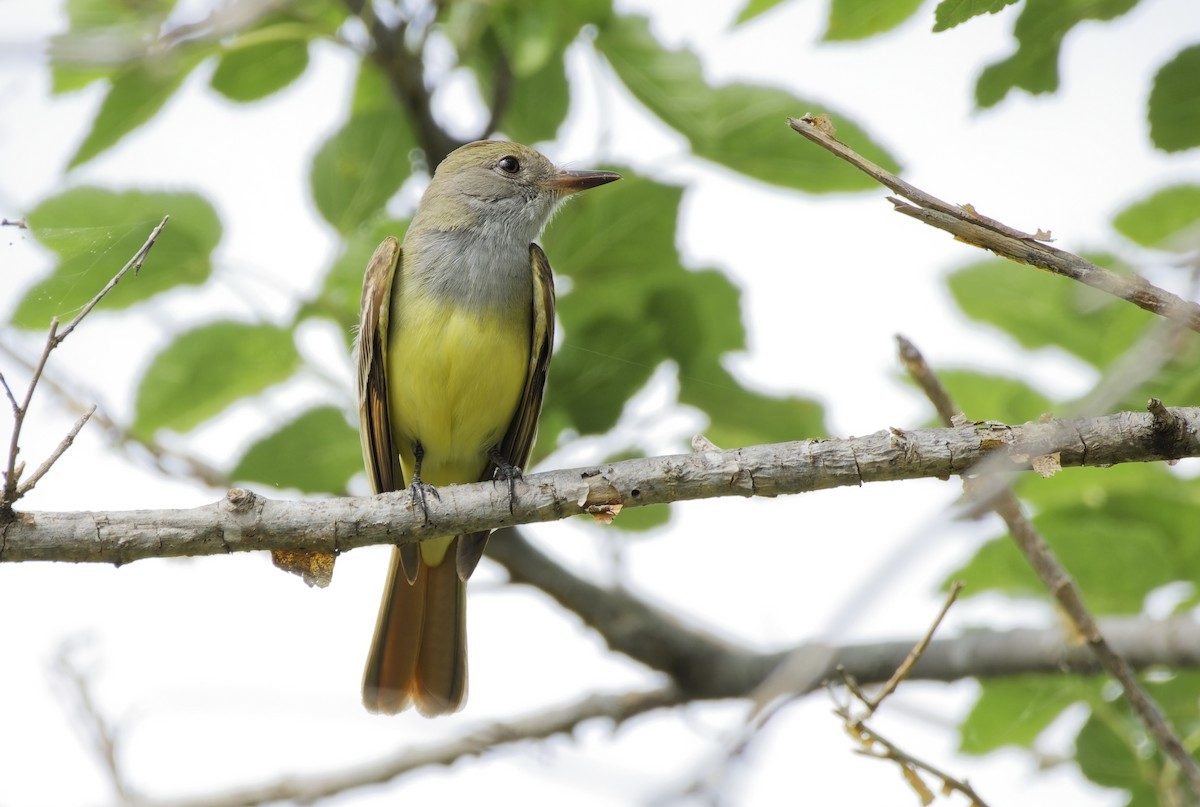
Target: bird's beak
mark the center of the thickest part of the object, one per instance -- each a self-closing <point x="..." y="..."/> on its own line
<point x="568" y="182"/>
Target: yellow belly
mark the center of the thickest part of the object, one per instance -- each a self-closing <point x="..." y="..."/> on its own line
<point x="454" y="379"/>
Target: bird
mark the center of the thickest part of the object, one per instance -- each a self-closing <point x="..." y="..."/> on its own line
<point x="454" y="342"/>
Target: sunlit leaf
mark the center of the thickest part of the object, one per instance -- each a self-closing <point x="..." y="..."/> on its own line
<point x="94" y="232"/>
<point x="205" y="370"/>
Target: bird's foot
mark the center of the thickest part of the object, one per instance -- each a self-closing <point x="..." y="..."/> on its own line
<point x="419" y="491"/>
<point x="510" y="472"/>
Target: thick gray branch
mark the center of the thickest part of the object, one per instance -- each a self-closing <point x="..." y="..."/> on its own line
<point x="244" y="521"/>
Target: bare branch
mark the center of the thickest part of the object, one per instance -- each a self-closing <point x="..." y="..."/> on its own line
<point x="967" y="225"/>
<point x="1065" y="590"/>
<point x="913" y="657"/>
<point x="12" y="490"/>
<point x="244" y="521"/>
<point x="48" y="463"/>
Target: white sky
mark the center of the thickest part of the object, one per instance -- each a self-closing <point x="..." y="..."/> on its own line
<point x="223" y="672"/>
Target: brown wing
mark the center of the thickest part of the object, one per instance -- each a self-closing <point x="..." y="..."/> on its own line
<point x="518" y="440"/>
<point x="379" y="454"/>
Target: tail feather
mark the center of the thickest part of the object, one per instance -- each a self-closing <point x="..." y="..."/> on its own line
<point x="419" y="654"/>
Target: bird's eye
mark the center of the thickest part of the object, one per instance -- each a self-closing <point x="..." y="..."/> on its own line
<point x="509" y="165"/>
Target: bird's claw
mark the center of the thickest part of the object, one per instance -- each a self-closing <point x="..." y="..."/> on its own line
<point x="419" y="491"/>
<point x="510" y="472"/>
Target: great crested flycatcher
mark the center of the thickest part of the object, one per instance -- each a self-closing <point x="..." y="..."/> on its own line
<point x="457" y="325"/>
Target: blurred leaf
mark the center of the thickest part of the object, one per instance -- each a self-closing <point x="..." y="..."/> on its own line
<point x="1139" y="514"/>
<point x="754" y="8"/>
<point x="537" y="103"/>
<point x="1113" y="749"/>
<point x="317" y="452"/>
<point x="1014" y="711"/>
<point x="950" y="13"/>
<point x="261" y="63"/>
<point x="859" y="19"/>
<point x="741" y="126"/>
<point x="364" y="163"/>
<point x="1175" y="103"/>
<point x="621" y="321"/>
<point x="136" y="94"/>
<point x="205" y="370"/>
<point x="1108" y="756"/>
<point x="1039" y="31"/>
<point x="1042" y="310"/>
<point x="340" y="296"/>
<point x="95" y="232"/>
<point x="1166" y="217"/>
<point x="992" y="397"/>
<point x="102" y="37"/>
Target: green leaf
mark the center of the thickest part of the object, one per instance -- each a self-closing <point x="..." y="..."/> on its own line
<point x="754" y="8"/>
<point x="364" y="163"/>
<point x="950" y="13"/>
<point x="1043" y="310"/>
<point x="1121" y="532"/>
<point x="136" y="95"/>
<point x="1014" y="711"/>
<point x="740" y="126"/>
<point x="205" y="370"/>
<point x="859" y="19"/>
<point x="1168" y="219"/>
<point x="982" y="396"/>
<point x="1039" y="31"/>
<point x="342" y="291"/>
<point x="537" y="103"/>
<point x="102" y="37"/>
<point x="620" y="322"/>
<point x="317" y="452"/>
<point x="1175" y="102"/>
<point x="95" y="232"/>
<point x="248" y="72"/>
<point x="1107" y="755"/>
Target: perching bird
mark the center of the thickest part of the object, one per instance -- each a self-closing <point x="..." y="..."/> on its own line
<point x="456" y="330"/>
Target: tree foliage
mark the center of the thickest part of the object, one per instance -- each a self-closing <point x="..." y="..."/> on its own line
<point x="1124" y="533"/>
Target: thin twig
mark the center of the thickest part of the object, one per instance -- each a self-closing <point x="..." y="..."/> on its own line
<point x="871" y="741"/>
<point x="170" y="461"/>
<point x="1066" y="592"/>
<point x="913" y="657"/>
<point x="12" y="489"/>
<point x="48" y="463"/>
<point x="966" y="224"/>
